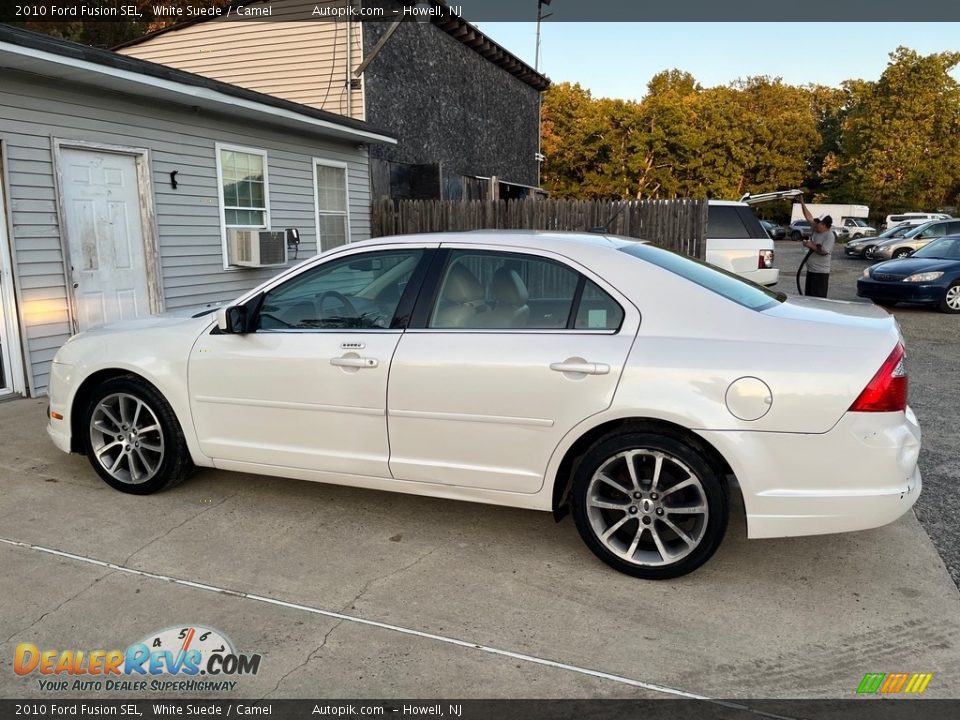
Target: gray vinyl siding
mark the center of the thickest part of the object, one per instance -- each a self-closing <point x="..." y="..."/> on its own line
<point x="34" y="112"/>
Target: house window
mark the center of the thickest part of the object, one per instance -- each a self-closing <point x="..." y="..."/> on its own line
<point x="332" y="199"/>
<point x="243" y="186"/>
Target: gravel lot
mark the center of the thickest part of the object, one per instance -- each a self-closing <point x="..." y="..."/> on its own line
<point x="933" y="349"/>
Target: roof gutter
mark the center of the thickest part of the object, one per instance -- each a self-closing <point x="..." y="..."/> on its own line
<point x="191" y="94"/>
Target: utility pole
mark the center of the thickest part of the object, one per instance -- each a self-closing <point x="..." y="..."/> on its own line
<point x="536" y="66"/>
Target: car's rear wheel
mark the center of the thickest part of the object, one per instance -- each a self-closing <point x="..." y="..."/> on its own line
<point x="901" y="253"/>
<point x="132" y="437"/>
<point x="951" y="299"/>
<point x="649" y="505"/>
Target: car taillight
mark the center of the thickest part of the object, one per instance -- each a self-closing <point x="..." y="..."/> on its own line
<point x="765" y="260"/>
<point x="887" y="391"/>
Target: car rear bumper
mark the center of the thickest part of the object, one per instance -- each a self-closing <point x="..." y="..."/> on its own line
<point x="769" y="276"/>
<point x="899" y="291"/>
<point x="861" y="474"/>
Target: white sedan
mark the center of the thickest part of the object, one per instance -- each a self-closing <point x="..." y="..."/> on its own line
<point x="548" y="371"/>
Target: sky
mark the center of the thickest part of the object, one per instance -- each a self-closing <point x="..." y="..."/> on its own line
<point x="618" y="59"/>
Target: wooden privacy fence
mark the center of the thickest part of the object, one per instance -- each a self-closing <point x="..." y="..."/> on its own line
<point x="679" y="225"/>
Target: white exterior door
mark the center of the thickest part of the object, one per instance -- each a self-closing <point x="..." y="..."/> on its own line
<point x="306" y="387"/>
<point x="8" y="316"/>
<point x="105" y="235"/>
<point x="517" y="351"/>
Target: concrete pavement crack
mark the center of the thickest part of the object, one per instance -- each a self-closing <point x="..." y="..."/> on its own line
<point x="175" y="527"/>
<point x="371" y="583"/>
<point x="346" y="607"/>
<point x="310" y="656"/>
<point x="53" y="610"/>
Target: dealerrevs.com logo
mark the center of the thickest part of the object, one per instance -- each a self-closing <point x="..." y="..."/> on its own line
<point x="190" y="659"/>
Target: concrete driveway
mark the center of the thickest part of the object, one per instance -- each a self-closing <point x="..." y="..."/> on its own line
<point x="353" y="593"/>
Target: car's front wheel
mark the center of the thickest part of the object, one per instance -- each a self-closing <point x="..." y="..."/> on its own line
<point x="901" y="253"/>
<point x="796" y="235"/>
<point x="951" y="299"/>
<point x="132" y="437"/>
<point x="649" y="505"/>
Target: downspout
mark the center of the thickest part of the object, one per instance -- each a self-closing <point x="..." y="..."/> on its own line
<point x="349" y="78"/>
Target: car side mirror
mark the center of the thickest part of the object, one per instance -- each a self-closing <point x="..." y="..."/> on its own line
<point x="232" y="319"/>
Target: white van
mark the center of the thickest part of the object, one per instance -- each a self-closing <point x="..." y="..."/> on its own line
<point x="913" y="218"/>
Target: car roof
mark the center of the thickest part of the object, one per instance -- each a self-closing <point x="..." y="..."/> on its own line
<point x="534" y="239"/>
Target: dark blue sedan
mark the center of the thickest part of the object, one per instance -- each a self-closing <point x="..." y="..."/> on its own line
<point x="931" y="276"/>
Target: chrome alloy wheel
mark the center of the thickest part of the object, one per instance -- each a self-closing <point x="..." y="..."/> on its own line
<point x="126" y="438"/>
<point x="647" y="507"/>
<point x="952" y="298"/>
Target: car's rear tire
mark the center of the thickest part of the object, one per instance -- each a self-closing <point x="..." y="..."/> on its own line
<point x="633" y="519"/>
<point x="951" y="298"/>
<point x="132" y="437"/>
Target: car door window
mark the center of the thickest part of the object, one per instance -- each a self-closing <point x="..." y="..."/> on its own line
<point x="491" y="290"/>
<point x="953" y="228"/>
<point x="356" y="292"/>
<point x="938" y="230"/>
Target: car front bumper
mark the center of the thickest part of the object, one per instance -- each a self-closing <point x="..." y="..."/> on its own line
<point x="895" y="291"/>
<point x="861" y="474"/>
<point x="58" y="391"/>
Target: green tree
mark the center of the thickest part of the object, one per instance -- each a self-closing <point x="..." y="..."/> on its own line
<point x="899" y="137"/>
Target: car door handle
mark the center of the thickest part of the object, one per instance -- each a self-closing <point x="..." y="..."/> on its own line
<point x="584" y="368"/>
<point x="355" y="362"/>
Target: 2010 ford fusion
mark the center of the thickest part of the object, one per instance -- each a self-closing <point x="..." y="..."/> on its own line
<point x="550" y="371"/>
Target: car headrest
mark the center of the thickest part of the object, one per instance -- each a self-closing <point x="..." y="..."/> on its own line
<point x="508" y="288"/>
<point x="461" y="286"/>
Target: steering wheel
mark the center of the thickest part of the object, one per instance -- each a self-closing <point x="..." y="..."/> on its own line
<point x="345" y="303"/>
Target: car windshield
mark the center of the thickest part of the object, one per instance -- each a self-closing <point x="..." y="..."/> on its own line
<point x="732" y="287"/>
<point x="947" y="248"/>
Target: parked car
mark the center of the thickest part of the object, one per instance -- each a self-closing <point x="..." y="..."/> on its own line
<point x="737" y="242"/>
<point x="800" y="230"/>
<point x="515" y="370"/>
<point x="860" y="246"/>
<point x="775" y="231"/>
<point x="929" y="276"/>
<point x="913" y="239"/>
<point x="803" y="230"/>
<point x="857" y="228"/>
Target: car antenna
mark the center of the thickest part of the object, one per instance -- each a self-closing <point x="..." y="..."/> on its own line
<point x="605" y="228"/>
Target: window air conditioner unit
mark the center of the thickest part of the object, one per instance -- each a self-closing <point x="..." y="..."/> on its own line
<point x="257" y="248"/>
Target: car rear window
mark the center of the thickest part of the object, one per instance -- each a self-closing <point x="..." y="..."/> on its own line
<point x="727" y="285"/>
<point x="726" y="222"/>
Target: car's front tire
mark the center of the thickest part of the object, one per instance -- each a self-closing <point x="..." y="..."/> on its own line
<point x="951" y="298"/>
<point x="132" y="437"/>
<point x="649" y="504"/>
<point x="901" y="253"/>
